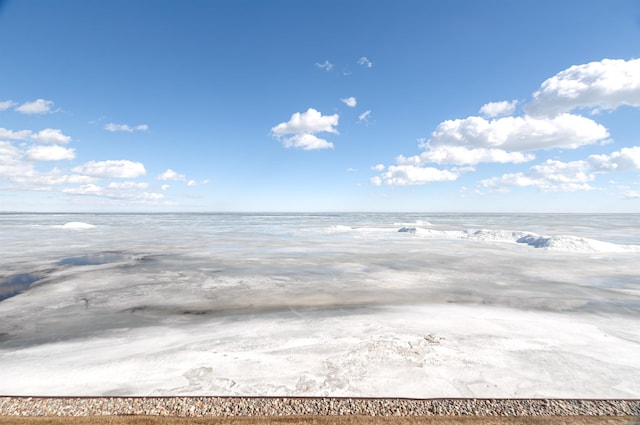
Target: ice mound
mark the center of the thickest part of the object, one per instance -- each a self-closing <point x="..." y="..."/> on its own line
<point x="76" y="225"/>
<point x="574" y="244"/>
<point x="566" y="243"/>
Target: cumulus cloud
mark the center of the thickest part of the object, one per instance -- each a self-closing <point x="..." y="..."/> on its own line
<point x="125" y="127"/>
<point x="165" y="187"/>
<point x="326" y="65"/>
<point x="554" y="175"/>
<point x="123" y="169"/>
<point x="350" y="101"/>
<point x="38" y="106"/>
<point x="498" y="109"/>
<point x="403" y="175"/>
<point x="171" y="175"/>
<point x="603" y="85"/>
<point x="50" y="153"/>
<point x="6" y="104"/>
<point x="299" y="131"/>
<point x="365" y="62"/>
<point x="519" y="133"/>
<point x="52" y="136"/>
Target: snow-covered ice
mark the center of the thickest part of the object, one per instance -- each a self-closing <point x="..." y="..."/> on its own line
<point x="342" y="305"/>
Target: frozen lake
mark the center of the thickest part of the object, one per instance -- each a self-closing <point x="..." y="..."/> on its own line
<point x="399" y="305"/>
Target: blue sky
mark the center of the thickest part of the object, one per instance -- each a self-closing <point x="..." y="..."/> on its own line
<point x="505" y="106"/>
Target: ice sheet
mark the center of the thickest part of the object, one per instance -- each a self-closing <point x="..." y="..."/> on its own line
<point x="320" y="305"/>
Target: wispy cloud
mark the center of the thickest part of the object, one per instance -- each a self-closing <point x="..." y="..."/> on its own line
<point x="326" y="65"/>
<point x="365" y="62"/>
<point x="123" y="169"/>
<point x="125" y="127"/>
<point x="364" y="117"/>
<point x="6" y="104"/>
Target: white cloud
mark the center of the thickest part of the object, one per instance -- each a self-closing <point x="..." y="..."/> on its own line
<point x="631" y="194"/>
<point x="38" y="106"/>
<point x="306" y="141"/>
<point x="51" y="135"/>
<point x="165" y="187"/>
<point x="378" y="167"/>
<point x="350" y="101"/>
<point x="403" y="175"/>
<point x="518" y="133"/>
<point x="14" y="135"/>
<point x="364" y="117"/>
<point x="553" y="175"/>
<point x="460" y="155"/>
<point x="605" y="85"/>
<point x="326" y="65"/>
<point x="50" y="153"/>
<point x="365" y="62"/>
<point x="127" y="192"/>
<point x="6" y="104"/>
<point x="311" y="121"/>
<point x="299" y="131"/>
<point x="128" y="185"/>
<point x="125" y="127"/>
<point x="191" y="183"/>
<point x="498" y="109"/>
<point x="112" y="169"/>
<point x="171" y="175"/>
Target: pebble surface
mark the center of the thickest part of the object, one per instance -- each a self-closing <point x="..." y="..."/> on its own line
<point x="285" y="406"/>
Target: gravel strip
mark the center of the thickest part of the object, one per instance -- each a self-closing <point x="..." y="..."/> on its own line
<point x="285" y="406"/>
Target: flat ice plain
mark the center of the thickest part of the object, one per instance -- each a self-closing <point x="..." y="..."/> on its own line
<point x="379" y="305"/>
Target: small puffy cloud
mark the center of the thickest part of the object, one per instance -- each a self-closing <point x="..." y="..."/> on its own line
<point x="311" y="121"/>
<point x="364" y="117"/>
<point x="124" y="169"/>
<point x="378" y="167"/>
<point x="38" y="106"/>
<point x="553" y="175"/>
<point x="191" y="183"/>
<point x="403" y="175"/>
<point x="603" y="85"/>
<point x="631" y="194"/>
<point x="50" y="153"/>
<point x="52" y="136"/>
<point x="125" y="127"/>
<point x="165" y="187"/>
<point x="326" y="65"/>
<point x="171" y="175"/>
<point x="350" y="101"/>
<point x="299" y="131"/>
<point x="498" y="109"/>
<point x="365" y="62"/>
<point x="6" y="104"/>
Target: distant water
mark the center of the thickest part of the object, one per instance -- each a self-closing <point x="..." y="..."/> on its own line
<point x="124" y="292"/>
